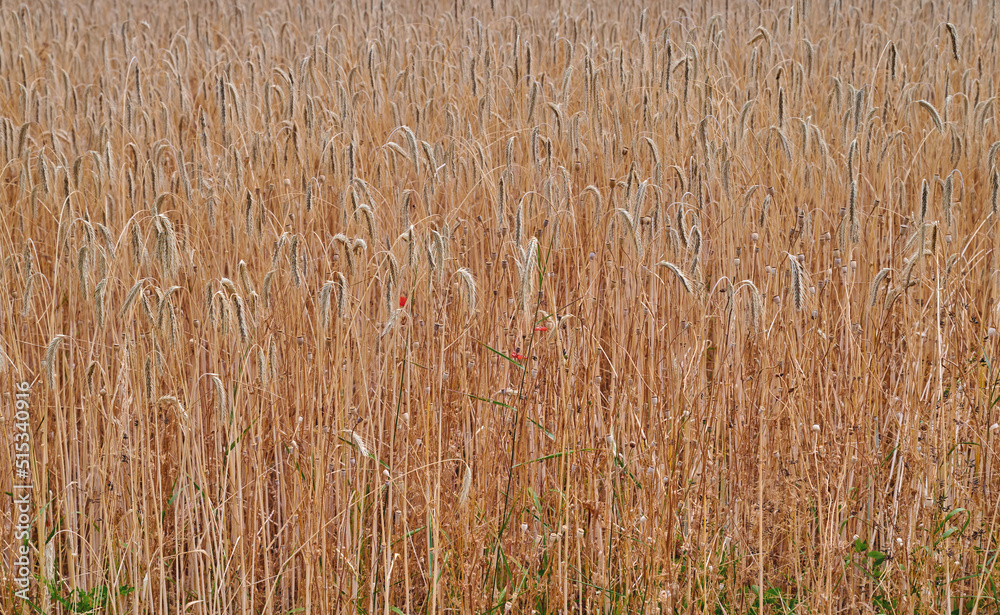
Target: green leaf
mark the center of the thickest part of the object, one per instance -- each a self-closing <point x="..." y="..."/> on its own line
<point x="553" y="456"/>
<point x="491" y="401"/>
<point x="548" y="433"/>
<point x="535" y="501"/>
<point x="860" y="546"/>
<point x="500" y="354"/>
<point x="877" y="557"/>
<point x="952" y="514"/>
<point x="408" y="534"/>
<point x="953" y="529"/>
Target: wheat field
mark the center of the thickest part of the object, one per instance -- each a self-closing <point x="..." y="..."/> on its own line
<point x="499" y="307"/>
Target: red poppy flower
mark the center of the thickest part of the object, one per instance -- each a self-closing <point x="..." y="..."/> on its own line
<point x="402" y="301"/>
<point x="541" y="328"/>
<point x="518" y="356"/>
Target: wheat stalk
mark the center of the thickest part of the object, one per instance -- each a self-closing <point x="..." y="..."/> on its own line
<point x="463" y="493"/>
<point x="933" y="112"/>
<point x="468" y="285"/>
<point x="342" y="295"/>
<point x="324" y="304"/>
<point x="50" y="359"/>
<point x="797" y="281"/>
<point x="526" y="268"/>
<point x="680" y="275"/>
<point x="221" y="399"/>
<point x="245" y="278"/>
<point x="953" y="35"/>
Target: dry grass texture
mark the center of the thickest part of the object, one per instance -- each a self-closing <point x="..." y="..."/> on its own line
<point x="423" y="308"/>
